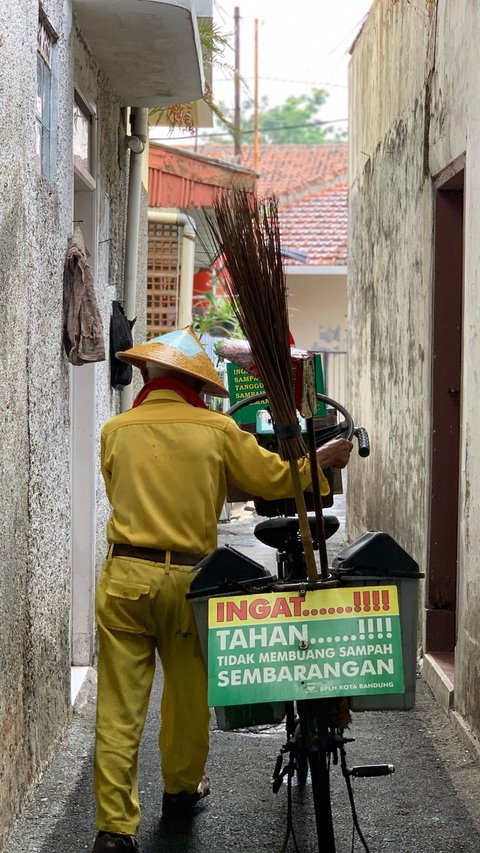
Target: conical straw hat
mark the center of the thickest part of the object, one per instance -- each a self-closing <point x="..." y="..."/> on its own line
<point x="182" y="351"/>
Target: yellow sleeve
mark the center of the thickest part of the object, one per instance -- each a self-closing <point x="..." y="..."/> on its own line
<point x="260" y="472"/>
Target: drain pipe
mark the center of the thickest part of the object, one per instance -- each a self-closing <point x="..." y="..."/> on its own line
<point x="136" y="143"/>
<point x="187" y="263"/>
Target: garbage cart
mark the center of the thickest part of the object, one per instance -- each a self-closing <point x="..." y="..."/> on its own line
<point x="376" y="559"/>
<point x="227" y="572"/>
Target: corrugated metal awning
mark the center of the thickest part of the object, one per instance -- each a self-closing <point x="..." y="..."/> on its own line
<point x="183" y="180"/>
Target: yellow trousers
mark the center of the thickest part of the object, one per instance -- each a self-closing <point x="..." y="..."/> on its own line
<point x="141" y="608"/>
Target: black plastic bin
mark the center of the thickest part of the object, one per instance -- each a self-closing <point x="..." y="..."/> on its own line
<point x="375" y="558"/>
<point x="229" y="572"/>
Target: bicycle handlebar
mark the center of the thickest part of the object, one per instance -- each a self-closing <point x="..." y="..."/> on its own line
<point x="347" y="425"/>
<point x="361" y="435"/>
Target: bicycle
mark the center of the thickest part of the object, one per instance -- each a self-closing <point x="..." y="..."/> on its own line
<point x="315" y="727"/>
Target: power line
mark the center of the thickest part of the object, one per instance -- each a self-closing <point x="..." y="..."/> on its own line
<point x="262" y="129"/>
<point x="285" y="80"/>
<point x="353" y="31"/>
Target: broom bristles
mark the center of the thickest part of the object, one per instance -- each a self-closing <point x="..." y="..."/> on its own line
<point x="247" y="234"/>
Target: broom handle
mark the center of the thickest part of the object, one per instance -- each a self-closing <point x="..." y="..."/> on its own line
<point x="303" y="523"/>
<point x="317" y="500"/>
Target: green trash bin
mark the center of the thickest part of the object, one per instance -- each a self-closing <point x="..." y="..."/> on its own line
<point x="376" y="559"/>
<point x="226" y="572"/>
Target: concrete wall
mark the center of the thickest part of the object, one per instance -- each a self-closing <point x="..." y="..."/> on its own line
<point x="401" y="136"/>
<point x="35" y="501"/>
<point x="35" y="557"/>
<point x="389" y="275"/>
<point x="14" y="497"/>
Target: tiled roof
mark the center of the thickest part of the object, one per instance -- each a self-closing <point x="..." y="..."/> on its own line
<point x="286" y="170"/>
<point x="317" y="226"/>
<point x="310" y="182"/>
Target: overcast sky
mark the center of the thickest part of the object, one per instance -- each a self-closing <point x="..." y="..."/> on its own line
<point x="302" y="44"/>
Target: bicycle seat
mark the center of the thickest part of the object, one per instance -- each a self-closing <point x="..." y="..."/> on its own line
<point x="280" y="532"/>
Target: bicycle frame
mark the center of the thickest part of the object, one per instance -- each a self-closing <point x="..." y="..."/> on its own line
<point x="314" y="727"/>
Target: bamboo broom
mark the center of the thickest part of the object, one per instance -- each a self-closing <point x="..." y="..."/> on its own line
<point x="247" y="234"/>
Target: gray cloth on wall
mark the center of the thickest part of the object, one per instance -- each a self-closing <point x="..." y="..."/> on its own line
<point x="83" y="337"/>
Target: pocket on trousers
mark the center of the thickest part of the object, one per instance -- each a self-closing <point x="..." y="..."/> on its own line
<point x="126" y="606"/>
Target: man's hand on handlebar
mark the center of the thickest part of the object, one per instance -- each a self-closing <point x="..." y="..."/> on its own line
<point x="335" y="453"/>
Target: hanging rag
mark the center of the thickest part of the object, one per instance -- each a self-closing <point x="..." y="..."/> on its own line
<point x="82" y="325"/>
<point x="120" y="339"/>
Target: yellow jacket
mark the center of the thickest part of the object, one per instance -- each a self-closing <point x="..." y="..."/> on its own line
<point x="166" y="465"/>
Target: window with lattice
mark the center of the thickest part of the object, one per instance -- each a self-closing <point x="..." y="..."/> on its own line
<point x="162" y="278"/>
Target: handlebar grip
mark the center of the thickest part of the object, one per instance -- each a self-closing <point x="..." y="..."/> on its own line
<point x="363" y="441"/>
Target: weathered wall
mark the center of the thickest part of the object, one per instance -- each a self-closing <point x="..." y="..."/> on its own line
<point x="35" y="502"/>
<point x="401" y="136"/>
<point x="14" y="503"/>
<point x="389" y="274"/>
<point x="34" y="499"/>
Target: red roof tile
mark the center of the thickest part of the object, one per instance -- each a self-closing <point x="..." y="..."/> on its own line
<point x="317" y="226"/>
<point x="286" y="170"/>
<point x="310" y="182"/>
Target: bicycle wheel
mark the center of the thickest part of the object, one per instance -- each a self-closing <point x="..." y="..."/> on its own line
<point x="315" y="740"/>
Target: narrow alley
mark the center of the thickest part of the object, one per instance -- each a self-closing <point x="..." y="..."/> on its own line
<point x="200" y="209"/>
<point x="429" y="804"/>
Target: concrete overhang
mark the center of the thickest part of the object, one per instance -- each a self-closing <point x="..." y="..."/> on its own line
<point x="149" y="49"/>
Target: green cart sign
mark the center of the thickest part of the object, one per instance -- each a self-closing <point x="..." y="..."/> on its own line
<point x="284" y="646"/>
<point x="242" y="384"/>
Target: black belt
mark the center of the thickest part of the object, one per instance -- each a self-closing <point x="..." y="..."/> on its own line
<point x="154" y="555"/>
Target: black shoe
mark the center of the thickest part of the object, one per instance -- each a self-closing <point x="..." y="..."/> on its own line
<point x="181" y="806"/>
<point x="111" y="842"/>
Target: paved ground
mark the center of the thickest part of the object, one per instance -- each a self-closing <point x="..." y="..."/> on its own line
<point x="430" y="804"/>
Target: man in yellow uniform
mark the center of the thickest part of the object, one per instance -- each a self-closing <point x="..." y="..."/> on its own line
<point x="166" y="464"/>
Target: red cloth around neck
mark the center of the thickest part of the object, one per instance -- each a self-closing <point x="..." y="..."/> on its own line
<point x="168" y="383"/>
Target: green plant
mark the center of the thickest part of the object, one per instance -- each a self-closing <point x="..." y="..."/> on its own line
<point x="297" y="120"/>
<point x="218" y="320"/>
<point x="181" y="116"/>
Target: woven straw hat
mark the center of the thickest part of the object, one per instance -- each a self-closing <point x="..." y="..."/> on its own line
<point x="181" y="351"/>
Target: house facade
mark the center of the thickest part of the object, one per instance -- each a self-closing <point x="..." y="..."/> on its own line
<point x="414" y="316"/>
<point x="310" y="182"/>
<point x="76" y="79"/>
<point x="315" y="225"/>
<point x="181" y="188"/>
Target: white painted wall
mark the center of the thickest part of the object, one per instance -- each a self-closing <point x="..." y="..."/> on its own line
<point x="317" y="306"/>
